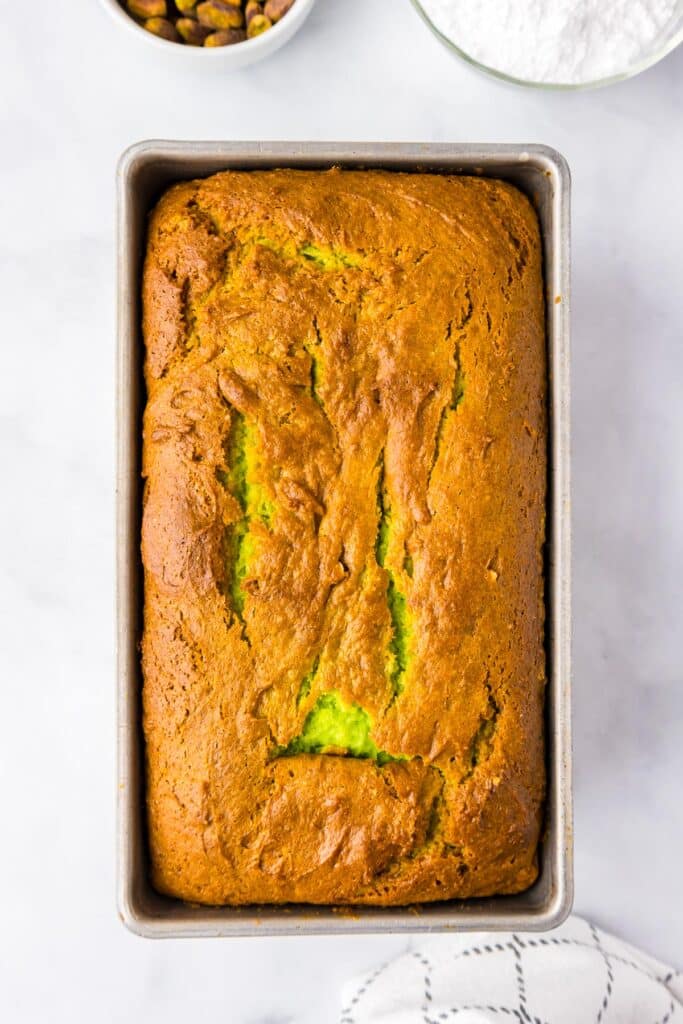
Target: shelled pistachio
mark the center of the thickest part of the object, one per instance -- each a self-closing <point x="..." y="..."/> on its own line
<point x="209" y="23"/>
<point x="226" y="37"/>
<point x="252" y="8"/>
<point x="191" y="31"/>
<point x="276" y="9"/>
<point x="258" y="24"/>
<point x="147" y="8"/>
<point x="219" y="15"/>
<point x="163" y="28"/>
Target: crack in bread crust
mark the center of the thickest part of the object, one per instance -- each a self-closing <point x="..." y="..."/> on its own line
<point x="344" y="455"/>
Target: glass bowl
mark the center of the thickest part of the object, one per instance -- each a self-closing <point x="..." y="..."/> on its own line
<point x="673" y="37"/>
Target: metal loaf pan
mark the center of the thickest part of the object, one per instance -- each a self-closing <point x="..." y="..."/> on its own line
<point x="145" y="170"/>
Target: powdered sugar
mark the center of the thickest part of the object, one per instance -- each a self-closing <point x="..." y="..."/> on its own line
<point x="559" y="41"/>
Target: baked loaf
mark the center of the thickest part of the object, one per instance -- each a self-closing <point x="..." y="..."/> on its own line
<point x="344" y="455"/>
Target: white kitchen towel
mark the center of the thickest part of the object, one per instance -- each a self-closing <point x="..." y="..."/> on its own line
<point x="575" y="974"/>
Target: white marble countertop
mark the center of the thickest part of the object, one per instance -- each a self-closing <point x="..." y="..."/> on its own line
<point x="75" y="94"/>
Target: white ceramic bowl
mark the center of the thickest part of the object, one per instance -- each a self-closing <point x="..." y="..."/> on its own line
<point x="239" y="55"/>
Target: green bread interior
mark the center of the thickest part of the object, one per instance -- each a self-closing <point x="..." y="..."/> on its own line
<point x="242" y="480"/>
<point x="458" y="392"/>
<point x="334" y="725"/>
<point x="243" y="475"/>
<point x="326" y="258"/>
<point x="401" y="630"/>
<point x="307" y="682"/>
<point x="321" y="256"/>
<point x="383" y="526"/>
<point x="240" y="548"/>
<point x="457" y="395"/>
<point x="315" y="373"/>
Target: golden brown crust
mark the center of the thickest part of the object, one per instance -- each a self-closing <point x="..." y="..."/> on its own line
<point x="370" y="346"/>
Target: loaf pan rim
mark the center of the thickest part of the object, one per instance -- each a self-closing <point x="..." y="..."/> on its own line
<point x="140" y="908"/>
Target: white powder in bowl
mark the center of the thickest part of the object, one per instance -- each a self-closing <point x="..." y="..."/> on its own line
<point x="561" y="41"/>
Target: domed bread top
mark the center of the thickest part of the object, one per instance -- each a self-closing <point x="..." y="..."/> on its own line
<point x="345" y="471"/>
